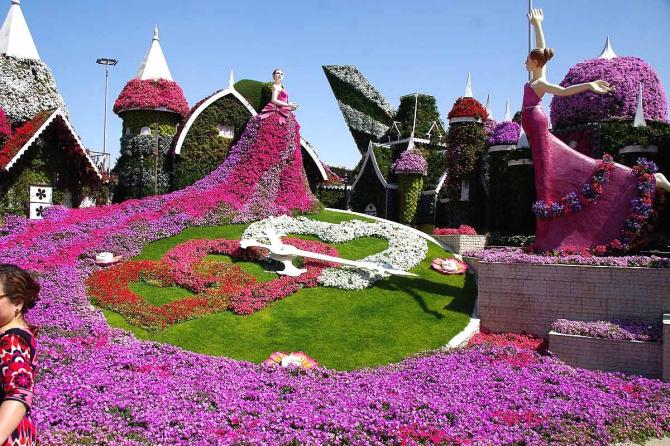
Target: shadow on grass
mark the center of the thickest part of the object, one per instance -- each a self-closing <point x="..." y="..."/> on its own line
<point x="417" y="287"/>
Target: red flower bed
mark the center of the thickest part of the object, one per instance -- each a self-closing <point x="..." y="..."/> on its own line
<point x="21" y="136"/>
<point x="521" y="341"/>
<point x="468" y="108"/>
<point x="152" y="94"/>
<point x="219" y="286"/>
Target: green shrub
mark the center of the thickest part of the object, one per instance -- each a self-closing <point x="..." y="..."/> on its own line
<point x="203" y="149"/>
<point x="411" y="186"/>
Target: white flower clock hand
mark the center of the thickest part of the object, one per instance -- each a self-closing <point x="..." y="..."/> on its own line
<point x="406" y="247"/>
<point x="284" y="253"/>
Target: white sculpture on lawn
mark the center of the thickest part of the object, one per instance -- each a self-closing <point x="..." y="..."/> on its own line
<point x="285" y="254"/>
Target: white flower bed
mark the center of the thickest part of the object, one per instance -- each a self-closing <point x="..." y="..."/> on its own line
<point x="27" y="88"/>
<point x="406" y="248"/>
<point x="358" y="120"/>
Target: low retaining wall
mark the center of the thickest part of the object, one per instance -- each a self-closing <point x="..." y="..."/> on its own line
<point x="462" y="243"/>
<point x="529" y="298"/>
<point x="666" y="347"/>
<point x="639" y="358"/>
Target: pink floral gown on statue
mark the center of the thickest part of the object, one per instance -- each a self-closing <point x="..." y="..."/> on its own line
<point x="263" y="173"/>
<point x="560" y="170"/>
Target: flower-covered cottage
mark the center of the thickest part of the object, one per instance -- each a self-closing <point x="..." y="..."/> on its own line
<point x="38" y="146"/>
<point x="448" y="192"/>
<point x="189" y="142"/>
<point x="480" y="172"/>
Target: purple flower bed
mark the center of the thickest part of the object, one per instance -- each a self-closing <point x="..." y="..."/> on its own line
<point x="489" y="126"/>
<point x="152" y="94"/>
<point x="517" y="255"/>
<point x="623" y="330"/>
<point x="411" y="161"/>
<point x="625" y="74"/>
<point x="505" y="133"/>
<point x="99" y="385"/>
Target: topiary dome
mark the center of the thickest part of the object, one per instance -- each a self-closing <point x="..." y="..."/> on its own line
<point x="467" y="107"/>
<point x="151" y="94"/>
<point x="507" y="132"/>
<point x="625" y="74"/>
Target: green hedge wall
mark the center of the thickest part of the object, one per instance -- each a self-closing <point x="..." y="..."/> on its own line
<point x="47" y="162"/>
<point x="332" y="198"/>
<point x="426" y="114"/>
<point x="136" y="119"/>
<point x="203" y="149"/>
<point x="369" y="190"/>
<point x="357" y="100"/>
<point x="136" y="168"/>
<point x="257" y="93"/>
<point x="436" y="160"/>
<point x="466" y="145"/>
<point x="410" y="191"/>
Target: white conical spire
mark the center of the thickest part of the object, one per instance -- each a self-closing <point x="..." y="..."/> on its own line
<point x="15" y="38"/>
<point x="607" y="52"/>
<point x="488" y="104"/>
<point x="508" y="114"/>
<point x="639" y="113"/>
<point x="231" y="79"/>
<point x="154" y="65"/>
<point x="468" y="88"/>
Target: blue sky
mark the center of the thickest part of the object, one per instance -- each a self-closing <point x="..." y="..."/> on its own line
<point x="400" y="46"/>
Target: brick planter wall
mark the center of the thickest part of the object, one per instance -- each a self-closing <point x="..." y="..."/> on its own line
<point x="525" y="297"/>
<point x="666" y="347"/>
<point x="639" y="358"/>
<point x="462" y="243"/>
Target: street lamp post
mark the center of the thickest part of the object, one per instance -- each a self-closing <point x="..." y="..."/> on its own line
<point x="107" y="63"/>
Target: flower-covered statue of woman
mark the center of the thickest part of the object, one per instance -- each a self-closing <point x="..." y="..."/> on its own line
<point x="263" y="174"/>
<point x="582" y="202"/>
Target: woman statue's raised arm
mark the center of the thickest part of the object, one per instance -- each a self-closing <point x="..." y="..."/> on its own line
<point x="536" y="16"/>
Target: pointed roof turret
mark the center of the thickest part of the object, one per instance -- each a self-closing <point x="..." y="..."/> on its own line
<point x="468" y="88"/>
<point x="607" y="52"/>
<point x="231" y="80"/>
<point x="508" y="114"/>
<point x="639" y="112"/>
<point x="488" y="103"/>
<point x="154" y="65"/>
<point x="15" y="37"/>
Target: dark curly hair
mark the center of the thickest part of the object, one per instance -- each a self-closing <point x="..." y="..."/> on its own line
<point x="20" y="287"/>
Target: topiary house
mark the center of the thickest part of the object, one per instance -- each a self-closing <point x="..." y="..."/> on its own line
<point x="367" y="113"/>
<point x="376" y="187"/>
<point x="45" y="151"/>
<point x="151" y="106"/>
<point x="465" y="194"/>
<point x="214" y="125"/>
<point x="38" y="145"/>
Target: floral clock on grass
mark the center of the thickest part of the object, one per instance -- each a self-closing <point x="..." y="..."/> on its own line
<point x="218" y="286"/>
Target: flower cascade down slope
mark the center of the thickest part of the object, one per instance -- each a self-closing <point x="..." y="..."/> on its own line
<point x="99" y="385"/>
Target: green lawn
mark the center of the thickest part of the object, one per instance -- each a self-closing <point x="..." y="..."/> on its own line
<point x="341" y="329"/>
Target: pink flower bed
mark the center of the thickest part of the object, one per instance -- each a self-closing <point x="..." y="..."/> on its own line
<point x="151" y="94"/>
<point x="102" y="386"/>
<point x="461" y="230"/>
<point x="625" y="74"/>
